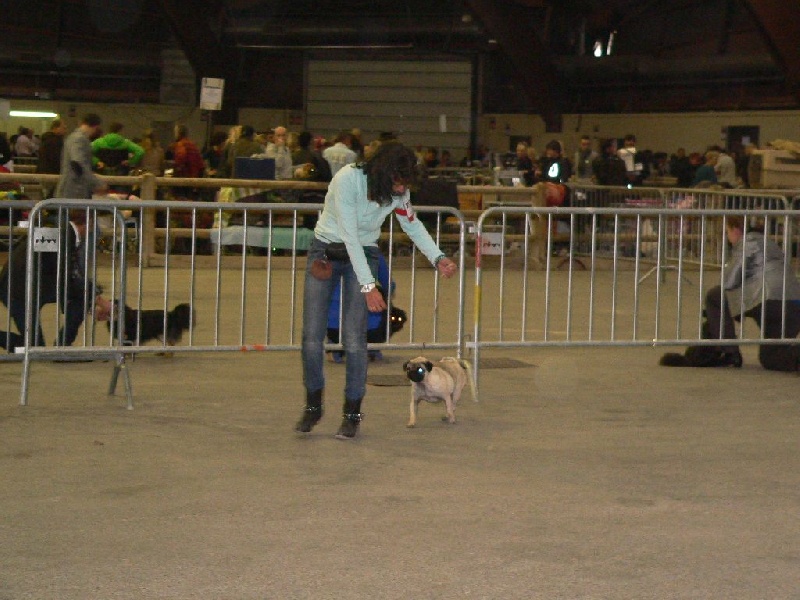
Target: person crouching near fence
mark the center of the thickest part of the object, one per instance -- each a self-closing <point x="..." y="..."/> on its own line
<point x="757" y="269"/>
<point x="345" y="246"/>
<point x="60" y="277"/>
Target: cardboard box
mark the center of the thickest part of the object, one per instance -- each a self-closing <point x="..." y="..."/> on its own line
<point x="469" y="201"/>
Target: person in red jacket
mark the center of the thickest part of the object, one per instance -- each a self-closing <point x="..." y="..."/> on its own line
<point x="188" y="160"/>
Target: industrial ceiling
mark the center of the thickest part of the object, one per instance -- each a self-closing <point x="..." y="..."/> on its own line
<point x="548" y="57"/>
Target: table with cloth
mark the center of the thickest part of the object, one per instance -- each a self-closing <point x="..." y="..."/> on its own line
<point x="226" y="234"/>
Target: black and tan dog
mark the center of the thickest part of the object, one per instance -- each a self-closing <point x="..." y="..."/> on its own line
<point x="178" y="320"/>
<point x="444" y="380"/>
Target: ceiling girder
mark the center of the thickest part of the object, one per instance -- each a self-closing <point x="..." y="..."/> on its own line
<point x="198" y="42"/>
<point x="514" y="29"/>
<point x="208" y="57"/>
<point x="780" y="21"/>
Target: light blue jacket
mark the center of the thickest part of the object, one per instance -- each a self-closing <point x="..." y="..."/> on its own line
<point x="350" y="217"/>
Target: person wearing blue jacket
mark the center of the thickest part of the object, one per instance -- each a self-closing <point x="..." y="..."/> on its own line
<point x="345" y="247"/>
<point x="376" y="321"/>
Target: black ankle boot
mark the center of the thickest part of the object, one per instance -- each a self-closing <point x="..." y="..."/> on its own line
<point x="733" y="359"/>
<point x="351" y="417"/>
<point x="312" y="413"/>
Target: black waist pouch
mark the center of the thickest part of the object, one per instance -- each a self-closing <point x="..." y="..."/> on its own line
<point x="336" y="251"/>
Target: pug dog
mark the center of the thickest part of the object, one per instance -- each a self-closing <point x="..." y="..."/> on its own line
<point x="431" y="382"/>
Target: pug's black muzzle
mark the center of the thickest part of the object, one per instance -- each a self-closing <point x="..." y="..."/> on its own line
<point x="416" y="373"/>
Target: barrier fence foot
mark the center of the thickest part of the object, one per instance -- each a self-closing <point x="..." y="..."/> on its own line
<point x="121" y="366"/>
<point x="26" y="374"/>
<point x="662" y="274"/>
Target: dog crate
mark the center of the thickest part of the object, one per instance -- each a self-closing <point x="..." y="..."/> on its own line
<point x="771" y="169"/>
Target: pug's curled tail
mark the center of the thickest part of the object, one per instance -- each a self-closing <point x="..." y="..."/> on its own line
<point x="468" y="368"/>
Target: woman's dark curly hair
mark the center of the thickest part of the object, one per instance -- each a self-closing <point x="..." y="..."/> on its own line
<point x="392" y="163"/>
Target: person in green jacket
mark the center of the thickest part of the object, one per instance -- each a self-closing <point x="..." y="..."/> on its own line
<point x="114" y="154"/>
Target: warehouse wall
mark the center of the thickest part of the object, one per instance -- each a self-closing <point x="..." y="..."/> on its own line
<point x="657" y="132"/>
<point x="427" y="103"/>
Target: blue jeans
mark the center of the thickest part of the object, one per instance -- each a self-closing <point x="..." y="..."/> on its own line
<point x="316" y="298"/>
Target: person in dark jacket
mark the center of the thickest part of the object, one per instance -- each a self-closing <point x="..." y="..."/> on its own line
<point x="51" y="147"/>
<point x="681" y="167"/>
<point x="59" y="277"/>
<point x="5" y="149"/>
<point x="244" y="147"/>
<point x="608" y="168"/>
<point x="309" y="163"/>
<point x="50" y="150"/>
<point x="554" y="166"/>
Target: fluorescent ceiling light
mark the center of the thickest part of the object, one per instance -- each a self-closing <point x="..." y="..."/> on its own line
<point x="33" y="113"/>
<point x="326" y="46"/>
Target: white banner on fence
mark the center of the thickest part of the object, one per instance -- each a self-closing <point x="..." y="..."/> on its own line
<point x="45" y="239"/>
<point x="492" y="243"/>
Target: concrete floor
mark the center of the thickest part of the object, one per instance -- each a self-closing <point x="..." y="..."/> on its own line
<point x="591" y="473"/>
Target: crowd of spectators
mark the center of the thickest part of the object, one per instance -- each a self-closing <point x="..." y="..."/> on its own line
<point x="297" y="155"/>
<point x="608" y="164"/>
<point x="23" y="144"/>
<point x="308" y="156"/>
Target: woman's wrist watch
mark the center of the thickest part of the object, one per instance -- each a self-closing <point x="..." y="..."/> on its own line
<point x="367" y="288"/>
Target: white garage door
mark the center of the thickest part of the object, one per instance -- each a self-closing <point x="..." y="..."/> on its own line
<point x="424" y="103"/>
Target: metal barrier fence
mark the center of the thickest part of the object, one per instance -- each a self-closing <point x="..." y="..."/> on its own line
<point x="36" y="186"/>
<point x="240" y="305"/>
<point x="153" y="231"/>
<point x="61" y="268"/>
<point x="606" y="301"/>
<point x="148" y="187"/>
<point x="577" y="234"/>
<point x="13" y="228"/>
<point x="602" y="253"/>
<point x="681" y="237"/>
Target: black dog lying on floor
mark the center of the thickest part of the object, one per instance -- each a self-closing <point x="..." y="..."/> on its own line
<point x="702" y="356"/>
<point x="179" y="319"/>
